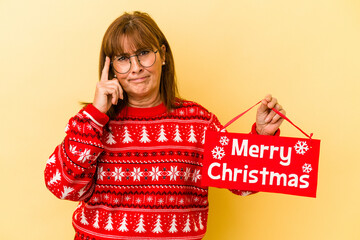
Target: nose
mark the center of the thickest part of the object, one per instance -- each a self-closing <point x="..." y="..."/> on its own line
<point x="135" y="64"/>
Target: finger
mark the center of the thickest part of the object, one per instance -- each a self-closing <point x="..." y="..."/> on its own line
<point x="116" y="85"/>
<point x="264" y="102"/>
<point x="114" y="95"/>
<point x="105" y="71"/>
<point x="113" y="98"/>
<point x="111" y="89"/>
<point x="119" y="88"/>
<point x="272" y="114"/>
<point x="121" y="92"/>
<point x="270" y="117"/>
<point x="277" y="117"/>
<point x="272" y="103"/>
<point x="268" y="97"/>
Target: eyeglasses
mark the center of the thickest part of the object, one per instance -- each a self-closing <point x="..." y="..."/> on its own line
<point x="146" y="58"/>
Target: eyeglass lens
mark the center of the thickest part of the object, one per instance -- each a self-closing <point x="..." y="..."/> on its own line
<point x="146" y="58"/>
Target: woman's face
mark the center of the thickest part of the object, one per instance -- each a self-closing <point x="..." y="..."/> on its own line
<point x="142" y="84"/>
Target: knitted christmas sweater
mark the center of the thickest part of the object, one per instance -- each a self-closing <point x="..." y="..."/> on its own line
<point x="141" y="179"/>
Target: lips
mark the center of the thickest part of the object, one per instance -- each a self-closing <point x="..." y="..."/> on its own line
<point x="138" y="79"/>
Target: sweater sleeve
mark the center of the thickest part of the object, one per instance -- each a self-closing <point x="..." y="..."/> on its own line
<point x="217" y="126"/>
<point x="70" y="169"/>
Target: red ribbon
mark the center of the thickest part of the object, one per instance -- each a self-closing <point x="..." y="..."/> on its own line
<point x="282" y="115"/>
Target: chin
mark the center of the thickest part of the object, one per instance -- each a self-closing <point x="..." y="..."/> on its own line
<point x="139" y="94"/>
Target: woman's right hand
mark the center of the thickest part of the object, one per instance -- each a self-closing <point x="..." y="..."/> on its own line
<point x="107" y="91"/>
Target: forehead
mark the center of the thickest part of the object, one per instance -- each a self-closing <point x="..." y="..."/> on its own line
<point x="128" y="45"/>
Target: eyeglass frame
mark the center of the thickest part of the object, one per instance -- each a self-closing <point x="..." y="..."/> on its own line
<point x="137" y="57"/>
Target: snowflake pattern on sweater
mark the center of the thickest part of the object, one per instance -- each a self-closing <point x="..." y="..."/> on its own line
<point x="141" y="179"/>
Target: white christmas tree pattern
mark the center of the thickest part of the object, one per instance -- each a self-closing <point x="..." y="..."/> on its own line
<point x="173" y="225"/>
<point x="110" y="139"/>
<point x="109" y="223"/>
<point x="127" y="136"/>
<point x="66" y="192"/>
<point x="55" y="178"/>
<point x="82" y="191"/>
<point x="144" y="136"/>
<point x="162" y="135"/>
<point x="192" y="138"/>
<point x="177" y="137"/>
<point x="224" y="140"/>
<point x="51" y="159"/>
<point x="73" y="149"/>
<point x="195" y="227"/>
<point x="123" y="224"/>
<point x="158" y="225"/>
<point x="307" y="168"/>
<point x="218" y="152"/>
<point x="301" y="147"/>
<point x="96" y="222"/>
<point x="83" y="218"/>
<point x="187" y="225"/>
<point x="200" y="222"/>
<point x="140" y="225"/>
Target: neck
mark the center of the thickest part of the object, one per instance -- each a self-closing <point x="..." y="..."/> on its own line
<point x="144" y="102"/>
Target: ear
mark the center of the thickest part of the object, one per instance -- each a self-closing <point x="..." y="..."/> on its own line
<point x="163" y="50"/>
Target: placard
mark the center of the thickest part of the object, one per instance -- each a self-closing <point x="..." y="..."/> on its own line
<point x="261" y="163"/>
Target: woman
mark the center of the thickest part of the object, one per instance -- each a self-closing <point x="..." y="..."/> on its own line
<point x="133" y="157"/>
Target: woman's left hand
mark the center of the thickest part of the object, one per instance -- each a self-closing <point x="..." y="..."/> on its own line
<point x="268" y="121"/>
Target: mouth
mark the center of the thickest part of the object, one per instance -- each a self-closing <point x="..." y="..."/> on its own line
<point x="140" y="79"/>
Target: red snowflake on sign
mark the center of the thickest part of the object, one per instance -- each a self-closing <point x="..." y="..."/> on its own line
<point x="218" y="152"/>
<point x="224" y="140"/>
<point x="307" y="168"/>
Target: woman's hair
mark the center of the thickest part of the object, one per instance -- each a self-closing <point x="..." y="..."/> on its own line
<point x="142" y="30"/>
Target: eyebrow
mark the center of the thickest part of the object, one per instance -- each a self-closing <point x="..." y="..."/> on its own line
<point x="136" y="52"/>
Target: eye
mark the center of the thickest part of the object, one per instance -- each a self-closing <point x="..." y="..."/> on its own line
<point x="144" y="52"/>
<point x="121" y="58"/>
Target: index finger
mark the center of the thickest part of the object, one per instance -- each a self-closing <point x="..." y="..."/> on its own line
<point x="267" y="99"/>
<point x="105" y="71"/>
<point x="264" y="106"/>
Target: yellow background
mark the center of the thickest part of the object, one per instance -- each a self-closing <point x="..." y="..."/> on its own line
<point x="228" y="55"/>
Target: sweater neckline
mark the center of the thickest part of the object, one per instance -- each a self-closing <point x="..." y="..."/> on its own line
<point x="145" y="112"/>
